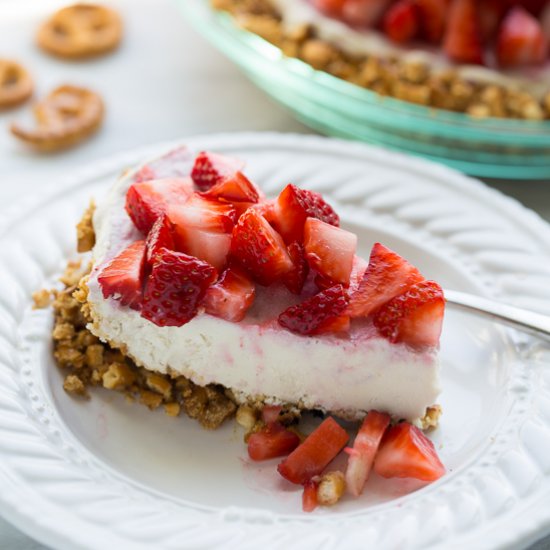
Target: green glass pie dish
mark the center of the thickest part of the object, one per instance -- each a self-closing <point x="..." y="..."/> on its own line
<point x="491" y="147"/>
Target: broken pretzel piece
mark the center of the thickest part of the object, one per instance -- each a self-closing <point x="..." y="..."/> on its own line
<point x="15" y="84"/>
<point x="67" y="116"/>
<point x="80" y="31"/>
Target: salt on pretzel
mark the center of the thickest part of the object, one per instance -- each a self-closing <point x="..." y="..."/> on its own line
<point x="15" y="84"/>
<point x="65" y="117"/>
<point x="80" y="31"/>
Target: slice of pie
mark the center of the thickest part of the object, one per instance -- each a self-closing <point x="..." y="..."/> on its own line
<point x="196" y="274"/>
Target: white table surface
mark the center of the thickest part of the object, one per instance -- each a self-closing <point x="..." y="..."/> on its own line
<point x="165" y="82"/>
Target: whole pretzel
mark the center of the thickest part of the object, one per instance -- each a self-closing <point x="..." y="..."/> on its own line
<point x="80" y="31"/>
<point x="15" y="84"/>
<point x="65" y="117"/>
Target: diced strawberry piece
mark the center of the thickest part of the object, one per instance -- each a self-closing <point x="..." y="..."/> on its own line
<point x="364" y="13"/>
<point x="294" y="206"/>
<point x="315" y="453"/>
<point x="260" y="249"/>
<point x="330" y="7"/>
<point x="322" y="283"/>
<point x="463" y="35"/>
<point x="490" y="14"/>
<point x="406" y="452"/>
<point x="319" y="314"/>
<point x="361" y="456"/>
<point x="148" y="200"/>
<point x="433" y="18"/>
<point x="236" y="188"/>
<point x="175" y="287"/>
<point x="295" y="279"/>
<point x="175" y="164"/>
<point x="270" y="413"/>
<point x="329" y="250"/>
<point x="122" y="277"/>
<point x="309" y="496"/>
<point x="401" y="22"/>
<point x="271" y="442"/>
<point x="211" y="168"/>
<point x="231" y="296"/>
<point x="357" y="272"/>
<point x="386" y="276"/>
<point x="160" y="236"/>
<point x="415" y="317"/>
<point x="267" y="210"/>
<point x="521" y="40"/>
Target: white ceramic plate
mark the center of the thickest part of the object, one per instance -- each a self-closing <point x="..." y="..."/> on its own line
<point x="108" y="474"/>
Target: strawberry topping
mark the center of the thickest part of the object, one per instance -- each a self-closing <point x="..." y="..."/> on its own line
<point x="295" y="279"/>
<point x="401" y="22"/>
<point x="292" y="208"/>
<point x="315" y="453"/>
<point x="364" y="13"/>
<point x="148" y="200"/>
<point x="160" y="236"/>
<point x="122" y="277"/>
<point x="260" y="249"/>
<point x="321" y="313"/>
<point x="329" y="250"/>
<point x="433" y="18"/>
<point x="231" y="296"/>
<point x="175" y="287"/>
<point x="463" y="36"/>
<point x="175" y="164"/>
<point x="406" y="452"/>
<point x="415" y="317"/>
<point x="237" y="188"/>
<point x="386" y="276"/>
<point x="309" y="496"/>
<point x="271" y="442"/>
<point x="210" y="169"/>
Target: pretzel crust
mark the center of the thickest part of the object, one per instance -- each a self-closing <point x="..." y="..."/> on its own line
<point x="16" y="84"/>
<point x="80" y="31"/>
<point x="67" y="116"/>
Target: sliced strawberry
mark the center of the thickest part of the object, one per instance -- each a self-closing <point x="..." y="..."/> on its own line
<point x="415" y="317"/>
<point x="315" y="453"/>
<point x="329" y="250"/>
<point x="357" y="272"/>
<point x="330" y="7"/>
<point x="386" y="276"/>
<point x="364" y="13"/>
<point x="521" y="40"/>
<point x="270" y="413"/>
<point x="211" y="168"/>
<point x="295" y="279"/>
<point x="462" y="41"/>
<point x="292" y="208"/>
<point x="401" y="22"/>
<point x="175" y="287"/>
<point x="231" y="296"/>
<point x="319" y="314"/>
<point x="148" y="200"/>
<point x="267" y="209"/>
<point x="122" y="277"/>
<point x="433" y="18"/>
<point x="406" y="452"/>
<point x="309" y="496"/>
<point x="160" y="236"/>
<point x="361" y="456"/>
<point x="490" y="14"/>
<point x="236" y="188"/>
<point x="260" y="249"/>
<point x="271" y="442"/>
<point x="175" y="164"/>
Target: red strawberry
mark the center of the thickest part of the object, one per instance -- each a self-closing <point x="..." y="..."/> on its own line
<point x="463" y="35"/>
<point x="211" y="168"/>
<point x="386" y="276"/>
<point x="231" y="296"/>
<point x="357" y="272"/>
<point x="491" y="13"/>
<point x="292" y="208"/>
<point x="295" y="279"/>
<point x="260" y="249"/>
<point x="406" y="452"/>
<point x="315" y="453"/>
<point x="331" y="7"/>
<point x="521" y="40"/>
<point x="237" y="188"/>
<point x="329" y="250"/>
<point x="433" y="18"/>
<point x="401" y="22"/>
<point x="175" y="164"/>
<point x="361" y="456"/>
<point x="272" y="441"/>
<point x="160" y="236"/>
<point x="148" y="200"/>
<point x="415" y="317"/>
<point x="122" y="277"/>
<point x="319" y="314"/>
<point x="309" y="496"/>
<point x="175" y="287"/>
<point x="364" y="13"/>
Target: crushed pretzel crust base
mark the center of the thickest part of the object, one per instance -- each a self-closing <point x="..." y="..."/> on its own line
<point x="411" y="81"/>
